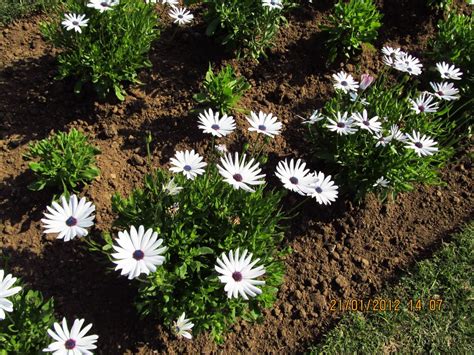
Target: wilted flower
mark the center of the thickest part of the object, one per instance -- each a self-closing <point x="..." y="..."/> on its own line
<point x="189" y="163"/>
<point x="316" y="116"/>
<point x="210" y="122"/>
<point x="365" y="81"/>
<point x="102" y="5"/>
<point x="264" y="123"/>
<point x="69" y="220"/>
<point x="448" y="71"/>
<point x="238" y="274"/>
<point x="422" y="145"/>
<point x="343" y="125"/>
<point x="74" y="342"/>
<point x="6" y="290"/>
<point x="181" y="15"/>
<point x="240" y="174"/>
<point x="138" y="252"/>
<point x="74" y="22"/>
<point x="355" y="97"/>
<point x="382" y="182"/>
<point x="221" y="148"/>
<point x="183" y="326"/>
<point x="423" y="104"/>
<point x="323" y="190"/>
<point x="381" y="139"/>
<point x="344" y="82"/>
<point x="445" y="91"/>
<point x="171" y="188"/>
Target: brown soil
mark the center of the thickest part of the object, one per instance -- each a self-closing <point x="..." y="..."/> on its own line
<point x="340" y="252"/>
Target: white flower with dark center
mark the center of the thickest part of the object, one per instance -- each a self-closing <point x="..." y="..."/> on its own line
<point x="422" y="145"/>
<point x="372" y="125"/>
<point x="295" y="176"/>
<point x="189" y="163"/>
<point x="272" y="4"/>
<point x="448" y="71"/>
<point x="409" y="64"/>
<point x="6" y="290"/>
<point x="74" y="342"/>
<point x="391" y="55"/>
<point x="343" y="125"/>
<point x="69" y="220"/>
<point x="264" y="123"/>
<point x="138" y="252"/>
<point x="316" y="116"/>
<point x="240" y="174"/>
<point x="74" y="22"/>
<point x="210" y="122"/>
<point x="182" y="327"/>
<point x="344" y="82"/>
<point x="397" y="134"/>
<point x="324" y="190"/>
<point x="381" y="139"/>
<point x="171" y="188"/>
<point x="381" y="182"/>
<point x="445" y="91"/>
<point x="238" y="274"/>
<point x="102" y="5"/>
<point x="423" y="104"/>
<point x="181" y="15"/>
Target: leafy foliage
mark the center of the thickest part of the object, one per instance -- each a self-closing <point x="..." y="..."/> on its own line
<point x="355" y="159"/>
<point x="351" y="24"/>
<point x="222" y="91"/>
<point x="244" y="26"/>
<point x="13" y="9"/>
<point x="204" y="220"/>
<point x="110" y="50"/>
<point x="24" y="331"/>
<point x="65" y="160"/>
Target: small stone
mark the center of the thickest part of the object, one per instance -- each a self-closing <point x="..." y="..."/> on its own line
<point x="319" y="301"/>
<point x="113" y="176"/>
<point x="8" y="229"/>
<point x="342" y="282"/>
<point x="365" y="262"/>
<point x="138" y="160"/>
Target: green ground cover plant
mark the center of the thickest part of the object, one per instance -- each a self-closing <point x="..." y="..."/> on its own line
<point x="442" y="323"/>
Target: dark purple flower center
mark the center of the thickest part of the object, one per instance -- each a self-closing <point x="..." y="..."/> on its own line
<point x="104" y="4"/>
<point x="367" y="123"/>
<point x="344" y="83"/>
<point x="319" y="190"/>
<point x="70" y="344"/>
<point x="421" y="108"/>
<point x="418" y="145"/>
<point x="187" y="168"/>
<point x="409" y="69"/>
<point x="71" y="221"/>
<point x="293" y="180"/>
<point x="262" y="127"/>
<point x="75" y="23"/>
<point x="180" y="16"/>
<point x="440" y="93"/>
<point x="341" y="124"/>
<point x="215" y="126"/>
<point x="237" y="276"/>
<point x="238" y="177"/>
<point x="138" y="255"/>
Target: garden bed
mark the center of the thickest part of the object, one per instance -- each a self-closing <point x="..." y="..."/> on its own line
<point x="339" y="252"/>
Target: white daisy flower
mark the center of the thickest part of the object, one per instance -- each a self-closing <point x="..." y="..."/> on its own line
<point x="182" y="327"/>
<point x="102" y="5"/>
<point x="6" y="290"/>
<point x="295" y="177"/>
<point x="69" y="220"/>
<point x="189" y="163"/>
<point x="372" y="125"/>
<point x="138" y="252"/>
<point x="448" y="71"/>
<point x="316" y="116"/>
<point x="342" y="125"/>
<point x="240" y="174"/>
<point x="74" y="22"/>
<point x="272" y="4"/>
<point x="365" y="81"/>
<point x="219" y="127"/>
<point x="381" y="139"/>
<point x="264" y="123"/>
<point x="423" y="104"/>
<point x="171" y="188"/>
<point x="238" y="274"/>
<point x="445" y="91"/>
<point x="344" y="82"/>
<point x="422" y="145"/>
<point x="409" y="64"/>
<point x="391" y="55"/>
<point x="181" y="15"/>
<point x="324" y="190"/>
<point x="74" y="342"/>
<point x="381" y="182"/>
<point x="397" y="134"/>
